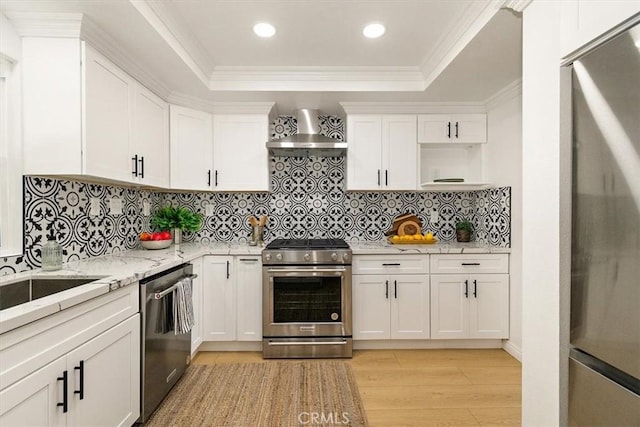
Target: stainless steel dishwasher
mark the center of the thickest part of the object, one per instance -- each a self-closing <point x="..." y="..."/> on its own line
<point x="165" y="355"/>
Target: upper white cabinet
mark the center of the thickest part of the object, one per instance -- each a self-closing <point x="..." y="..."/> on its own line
<point x="85" y="116"/>
<point x="191" y="149"/>
<point x="452" y="128"/>
<point x="240" y="157"/>
<point x="586" y="20"/>
<point x="382" y="152"/>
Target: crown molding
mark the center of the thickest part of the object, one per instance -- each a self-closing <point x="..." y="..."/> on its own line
<point x="303" y="78"/>
<point x="469" y="24"/>
<point x="46" y="24"/>
<point x="178" y="38"/>
<point x="505" y="94"/>
<point x="411" y="107"/>
<point x="219" y="107"/>
<point x="516" y="5"/>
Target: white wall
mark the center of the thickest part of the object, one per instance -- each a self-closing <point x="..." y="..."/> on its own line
<point x="504" y="149"/>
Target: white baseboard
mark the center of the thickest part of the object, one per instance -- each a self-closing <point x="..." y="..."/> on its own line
<point x="421" y="344"/>
<point x="231" y="346"/>
<point x="513" y="350"/>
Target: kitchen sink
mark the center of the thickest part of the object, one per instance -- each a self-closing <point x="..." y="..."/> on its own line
<point x="16" y="293"/>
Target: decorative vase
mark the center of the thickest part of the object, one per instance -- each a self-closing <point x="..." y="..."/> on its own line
<point x="177" y="236"/>
<point x="463" y="235"/>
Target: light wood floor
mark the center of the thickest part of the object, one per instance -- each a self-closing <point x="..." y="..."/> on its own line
<point x="426" y="387"/>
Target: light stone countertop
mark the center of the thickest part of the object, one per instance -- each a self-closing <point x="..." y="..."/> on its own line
<point x="115" y="270"/>
<point x="386" y="248"/>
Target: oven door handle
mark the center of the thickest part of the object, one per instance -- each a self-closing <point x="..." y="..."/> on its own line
<point x="306" y="270"/>
<point x="342" y="342"/>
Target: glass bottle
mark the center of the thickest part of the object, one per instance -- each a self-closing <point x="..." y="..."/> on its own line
<point x="51" y="254"/>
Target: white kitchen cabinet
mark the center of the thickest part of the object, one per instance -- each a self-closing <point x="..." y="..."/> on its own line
<point x="196" y="286"/>
<point x="452" y="128"/>
<point x="191" y="149"/>
<point x="240" y="156"/>
<point x="249" y="298"/>
<point x="84" y="116"/>
<point x="391" y="297"/>
<point x="218" y="299"/>
<point x="382" y="152"/>
<point x="472" y="301"/>
<point x="105" y="368"/>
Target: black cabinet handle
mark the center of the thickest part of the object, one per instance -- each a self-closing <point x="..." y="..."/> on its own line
<point x="470" y="263"/>
<point x="378" y="176"/>
<point x="386" y="177"/>
<point x="216" y="179"/>
<point x="227" y="269"/>
<point x="448" y="129"/>
<point x="390" y="264"/>
<point x="395" y="289"/>
<point x="65" y="384"/>
<point x="466" y="289"/>
<point x="209" y="178"/>
<point x="135" y="165"/>
<point x="81" y="369"/>
<point x="248" y="260"/>
<point x="456" y="129"/>
<point x="475" y="289"/>
<point x="141" y="166"/>
<point x="386" y="289"/>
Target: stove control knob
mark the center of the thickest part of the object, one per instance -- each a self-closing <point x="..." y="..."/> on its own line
<point x="345" y="257"/>
<point x="279" y="257"/>
<point x="334" y="256"/>
<point x="267" y="257"/>
<point x="307" y="256"/>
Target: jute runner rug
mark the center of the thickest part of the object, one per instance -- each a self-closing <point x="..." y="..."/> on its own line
<point x="270" y="394"/>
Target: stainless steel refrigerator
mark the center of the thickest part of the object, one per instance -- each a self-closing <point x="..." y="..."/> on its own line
<point x="604" y="361"/>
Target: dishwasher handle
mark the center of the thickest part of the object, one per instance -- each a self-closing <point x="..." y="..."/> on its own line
<point x="160" y="295"/>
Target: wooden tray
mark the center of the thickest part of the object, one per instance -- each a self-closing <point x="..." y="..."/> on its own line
<point x="413" y="242"/>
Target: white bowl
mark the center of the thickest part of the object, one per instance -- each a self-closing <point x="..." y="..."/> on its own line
<point x="156" y="244"/>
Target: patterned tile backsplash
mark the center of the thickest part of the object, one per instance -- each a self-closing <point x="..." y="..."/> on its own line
<point x="307" y="200"/>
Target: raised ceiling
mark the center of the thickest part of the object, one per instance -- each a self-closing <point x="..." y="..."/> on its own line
<point x="205" y="50"/>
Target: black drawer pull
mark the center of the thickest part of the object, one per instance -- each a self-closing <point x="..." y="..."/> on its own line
<point x="390" y="264"/>
<point x="248" y="259"/>
<point x="65" y="383"/>
<point x="81" y="369"/>
<point x="470" y="263"/>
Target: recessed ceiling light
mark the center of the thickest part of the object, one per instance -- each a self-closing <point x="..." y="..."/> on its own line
<point x="373" y="30"/>
<point x="264" y="29"/>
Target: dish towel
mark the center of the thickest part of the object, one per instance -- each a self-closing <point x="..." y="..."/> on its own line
<point x="183" y="319"/>
<point x="164" y="312"/>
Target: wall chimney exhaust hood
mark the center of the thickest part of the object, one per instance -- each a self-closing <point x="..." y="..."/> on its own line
<point x="307" y="142"/>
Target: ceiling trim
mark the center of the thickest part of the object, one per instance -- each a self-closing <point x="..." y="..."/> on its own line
<point x="46" y="24"/>
<point x="469" y="24"/>
<point x="347" y="79"/>
<point x="223" y="107"/>
<point x="167" y="28"/>
<point x="505" y="94"/>
<point x="411" y="107"/>
<point x="516" y="5"/>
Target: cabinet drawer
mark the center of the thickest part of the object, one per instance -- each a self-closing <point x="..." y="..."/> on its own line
<point x="390" y="264"/>
<point x="470" y="263"/>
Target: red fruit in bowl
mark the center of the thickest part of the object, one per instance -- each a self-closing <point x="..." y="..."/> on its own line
<point x="156" y="236"/>
<point x="166" y="235"/>
<point x="145" y="236"/>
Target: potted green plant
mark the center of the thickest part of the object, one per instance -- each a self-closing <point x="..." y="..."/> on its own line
<point x="177" y="220"/>
<point x="464" y="228"/>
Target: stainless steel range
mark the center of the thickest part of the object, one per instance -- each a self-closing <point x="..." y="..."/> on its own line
<point x="306" y="298"/>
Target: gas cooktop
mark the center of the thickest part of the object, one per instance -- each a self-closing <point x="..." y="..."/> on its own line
<point x="284" y="244"/>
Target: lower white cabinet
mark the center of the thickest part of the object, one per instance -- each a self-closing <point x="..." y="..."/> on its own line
<point x="96" y="384"/>
<point x="196" y="330"/>
<point x="232" y="298"/>
<point x="390" y="307"/>
<point x="469" y="306"/>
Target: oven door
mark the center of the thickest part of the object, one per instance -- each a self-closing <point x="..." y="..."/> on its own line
<point x="307" y="301"/>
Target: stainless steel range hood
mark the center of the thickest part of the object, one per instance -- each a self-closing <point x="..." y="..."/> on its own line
<point x="307" y="142"/>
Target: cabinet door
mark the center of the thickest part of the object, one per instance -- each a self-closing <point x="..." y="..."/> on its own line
<point x="196" y="331"/>
<point x="218" y="299"/>
<point x="33" y="401"/>
<point x="409" y="297"/>
<point x="434" y="128"/>
<point x="240" y="156"/>
<point x="105" y="377"/>
<point x="191" y="149"/>
<point x="151" y="138"/>
<point x="364" y="152"/>
<point x="449" y="306"/>
<point x="371" y="307"/>
<point x="108" y="100"/>
<point x="249" y="305"/>
<point x="469" y="128"/>
<point x="399" y="152"/>
<point x="489" y="306"/>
